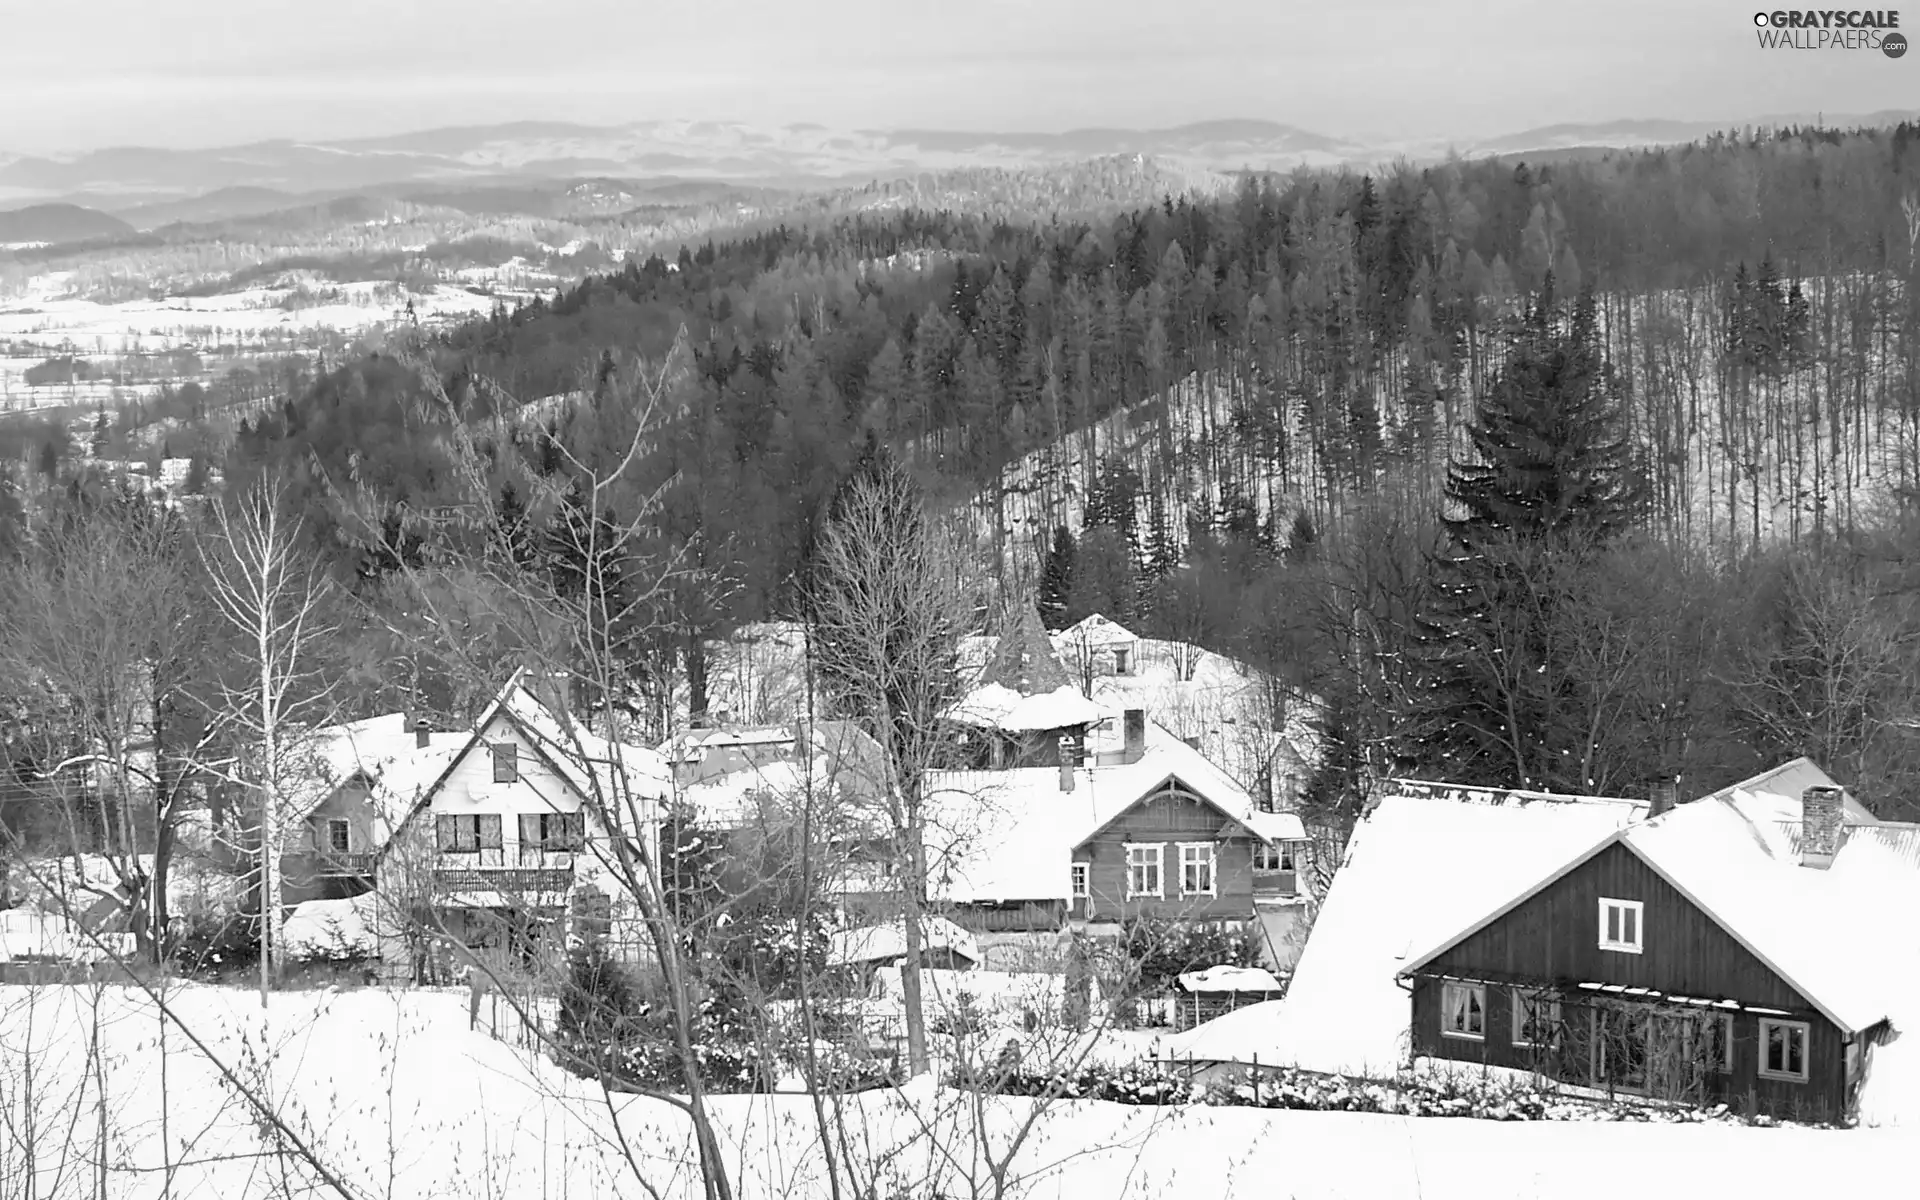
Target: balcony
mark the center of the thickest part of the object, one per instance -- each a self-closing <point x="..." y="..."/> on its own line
<point x="1275" y="883"/>
<point x="337" y="865"/>
<point x="494" y="869"/>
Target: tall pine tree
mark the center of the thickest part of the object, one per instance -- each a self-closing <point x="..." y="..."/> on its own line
<point x="1550" y="480"/>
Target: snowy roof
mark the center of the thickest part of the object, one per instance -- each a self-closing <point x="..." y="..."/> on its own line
<point x="1010" y="835"/>
<point x="995" y="706"/>
<point x="1230" y="979"/>
<point x="1736" y="859"/>
<point x="385" y="752"/>
<point x="1792" y="779"/>
<point x="584" y="758"/>
<point x="1418" y="867"/>
<point x="1096" y="630"/>
<point x="879" y="943"/>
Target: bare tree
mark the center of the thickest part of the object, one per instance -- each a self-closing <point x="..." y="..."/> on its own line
<point x="271" y="591"/>
<point x="581" y="618"/>
<point x="100" y="625"/>
<point x="888" y="605"/>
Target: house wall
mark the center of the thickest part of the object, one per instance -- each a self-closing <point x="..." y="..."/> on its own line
<point x="1553" y="939"/>
<point x="1168" y="817"/>
<point x="486" y="879"/>
<point x="308" y="870"/>
<point x="1821" y="1097"/>
<point x="1555" y="935"/>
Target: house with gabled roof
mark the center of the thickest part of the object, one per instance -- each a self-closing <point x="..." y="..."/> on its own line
<point x="1746" y="949"/>
<point x="357" y="783"/>
<point x="514" y="838"/>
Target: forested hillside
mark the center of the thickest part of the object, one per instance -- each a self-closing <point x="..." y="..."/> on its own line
<point x="1239" y="421"/>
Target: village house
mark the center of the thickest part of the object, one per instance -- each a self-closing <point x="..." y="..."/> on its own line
<point x="1059" y="813"/>
<point x="358" y="782"/>
<point x="511" y="842"/>
<point x="1735" y="950"/>
<point x="1689" y="953"/>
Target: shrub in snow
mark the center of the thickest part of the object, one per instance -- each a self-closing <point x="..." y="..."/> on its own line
<point x="607" y="1027"/>
<point x="215" y="944"/>
<point x="1456" y="1095"/>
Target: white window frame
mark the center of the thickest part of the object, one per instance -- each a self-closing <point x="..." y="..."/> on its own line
<point x="1470" y="993"/>
<point x="1121" y="660"/>
<point x="1638" y="909"/>
<point x="1082" y="880"/>
<point x="334" y="823"/>
<point x="1141" y="855"/>
<point x="1805" y="1033"/>
<point x="1212" y="863"/>
<point x="1280" y="852"/>
<point x="1545" y="1003"/>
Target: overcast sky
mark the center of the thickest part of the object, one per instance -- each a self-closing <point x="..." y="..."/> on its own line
<point x="78" y="74"/>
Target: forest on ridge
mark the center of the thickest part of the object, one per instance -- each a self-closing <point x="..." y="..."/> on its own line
<point x="1577" y="476"/>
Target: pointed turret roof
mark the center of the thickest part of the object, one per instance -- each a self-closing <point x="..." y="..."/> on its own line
<point x="1025" y="686"/>
<point x="1024" y="661"/>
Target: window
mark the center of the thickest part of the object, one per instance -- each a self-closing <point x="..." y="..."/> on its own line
<point x="1143" y="870"/>
<point x="1536" y="1018"/>
<point x="1120" y="656"/>
<point x="1463" y="1011"/>
<point x="552" y="831"/>
<point x="1621" y="925"/>
<point x="506" y="762"/>
<point x="1080" y="881"/>
<point x="1783" y="1050"/>
<point x="1273" y="858"/>
<point x="1196" y="869"/>
<point x="339" y="835"/>
<point x="467" y="834"/>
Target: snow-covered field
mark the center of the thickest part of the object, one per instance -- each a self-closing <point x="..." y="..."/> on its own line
<point x="153" y="325"/>
<point x="395" y="1097"/>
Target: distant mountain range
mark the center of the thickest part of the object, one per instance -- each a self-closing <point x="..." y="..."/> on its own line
<point x="516" y="163"/>
<point x="47" y="223"/>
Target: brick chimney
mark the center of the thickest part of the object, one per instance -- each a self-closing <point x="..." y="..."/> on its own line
<point x="422" y="731"/>
<point x="1069" y="761"/>
<point x="1664" y="796"/>
<point x="1820" y="813"/>
<point x="1134" y="722"/>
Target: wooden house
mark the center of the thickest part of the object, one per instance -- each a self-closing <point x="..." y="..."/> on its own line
<point x="1728" y="951"/>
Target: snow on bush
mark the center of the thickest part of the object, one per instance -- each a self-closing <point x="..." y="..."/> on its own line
<point x="1452" y="1095"/>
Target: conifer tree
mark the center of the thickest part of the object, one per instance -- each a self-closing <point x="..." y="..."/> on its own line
<point x="1550" y="480"/>
<point x="1056" y="579"/>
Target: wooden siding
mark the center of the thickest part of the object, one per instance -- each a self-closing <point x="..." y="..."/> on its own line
<point x="1168" y="818"/>
<point x="1553" y="940"/>
<point x="1821" y="1098"/>
<point x="1555" y="936"/>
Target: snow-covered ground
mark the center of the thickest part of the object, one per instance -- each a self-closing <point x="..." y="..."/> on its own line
<point x="397" y="1098"/>
<point x="151" y="325"/>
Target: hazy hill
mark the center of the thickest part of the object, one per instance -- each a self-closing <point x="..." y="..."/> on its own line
<point x="58" y="223"/>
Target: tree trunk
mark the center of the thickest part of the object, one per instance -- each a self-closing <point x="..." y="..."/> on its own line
<point x="918" y="1062"/>
<point x="269" y="823"/>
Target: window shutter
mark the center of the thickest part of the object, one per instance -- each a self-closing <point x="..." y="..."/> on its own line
<point x="529" y="831"/>
<point x="446" y="833"/>
<point x="490" y="831"/>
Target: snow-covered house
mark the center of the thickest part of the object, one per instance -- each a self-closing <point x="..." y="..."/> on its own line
<point x="1422" y="860"/>
<point x="518" y="829"/>
<point x="1141" y="825"/>
<point x="1095" y="646"/>
<point x="358" y="782"/>
<point x="1024" y="708"/>
<point x="1746" y="949"/>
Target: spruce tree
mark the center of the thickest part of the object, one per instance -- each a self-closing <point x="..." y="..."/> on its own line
<point x="1056" y="579"/>
<point x="1550" y="480"/>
